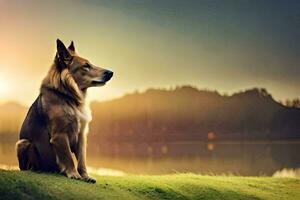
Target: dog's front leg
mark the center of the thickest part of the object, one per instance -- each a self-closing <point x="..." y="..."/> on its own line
<point x="63" y="153"/>
<point x="80" y="154"/>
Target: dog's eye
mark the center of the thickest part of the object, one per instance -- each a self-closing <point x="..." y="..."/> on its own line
<point x="86" y="67"/>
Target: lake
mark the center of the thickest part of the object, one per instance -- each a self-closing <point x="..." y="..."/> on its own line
<point x="248" y="158"/>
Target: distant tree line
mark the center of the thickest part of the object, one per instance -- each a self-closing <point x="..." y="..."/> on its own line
<point x="292" y="103"/>
<point x="180" y="114"/>
<point x="186" y="113"/>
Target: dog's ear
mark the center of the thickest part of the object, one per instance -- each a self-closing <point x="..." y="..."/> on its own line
<point x="72" y="47"/>
<point x="62" y="51"/>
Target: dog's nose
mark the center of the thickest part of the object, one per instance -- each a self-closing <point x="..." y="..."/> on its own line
<point x="107" y="75"/>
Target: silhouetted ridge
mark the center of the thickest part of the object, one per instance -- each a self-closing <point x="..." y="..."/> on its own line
<point x="11" y="116"/>
<point x="187" y="113"/>
<point x="178" y="114"/>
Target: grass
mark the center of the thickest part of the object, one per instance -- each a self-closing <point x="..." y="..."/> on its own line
<point x="30" y="185"/>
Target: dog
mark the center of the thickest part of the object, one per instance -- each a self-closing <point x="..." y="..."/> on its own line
<point x="56" y="124"/>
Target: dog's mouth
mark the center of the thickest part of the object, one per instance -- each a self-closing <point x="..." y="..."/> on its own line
<point x="98" y="82"/>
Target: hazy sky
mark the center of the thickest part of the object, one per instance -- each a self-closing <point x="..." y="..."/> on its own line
<point x="223" y="45"/>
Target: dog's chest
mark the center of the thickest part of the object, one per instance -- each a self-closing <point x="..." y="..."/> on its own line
<point x="79" y="118"/>
<point x="83" y="116"/>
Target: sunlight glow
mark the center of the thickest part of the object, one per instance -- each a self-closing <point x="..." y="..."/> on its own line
<point x="105" y="172"/>
<point x="4" y="87"/>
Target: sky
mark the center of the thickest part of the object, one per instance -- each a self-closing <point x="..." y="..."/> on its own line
<point x="227" y="46"/>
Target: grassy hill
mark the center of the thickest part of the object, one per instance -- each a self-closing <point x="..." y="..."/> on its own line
<point x="29" y="185"/>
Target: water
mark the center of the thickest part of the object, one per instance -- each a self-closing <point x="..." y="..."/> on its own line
<point x="247" y="158"/>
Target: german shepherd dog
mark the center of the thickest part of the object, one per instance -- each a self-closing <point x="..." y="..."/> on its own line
<point x="56" y="123"/>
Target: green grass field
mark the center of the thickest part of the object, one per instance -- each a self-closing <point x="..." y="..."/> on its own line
<point x="30" y="185"/>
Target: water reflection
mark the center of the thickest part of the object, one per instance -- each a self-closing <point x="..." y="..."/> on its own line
<point x="238" y="158"/>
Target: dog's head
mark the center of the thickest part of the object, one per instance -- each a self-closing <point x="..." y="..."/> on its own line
<point x="83" y="72"/>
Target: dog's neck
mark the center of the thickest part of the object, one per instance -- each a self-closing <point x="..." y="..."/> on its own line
<point x="63" y="83"/>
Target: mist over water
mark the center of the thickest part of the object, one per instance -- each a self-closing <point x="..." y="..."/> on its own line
<point x="246" y="158"/>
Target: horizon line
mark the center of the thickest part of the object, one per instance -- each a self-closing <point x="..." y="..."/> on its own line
<point x="169" y="88"/>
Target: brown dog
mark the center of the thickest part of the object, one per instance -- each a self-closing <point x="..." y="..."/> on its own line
<point x="56" y="123"/>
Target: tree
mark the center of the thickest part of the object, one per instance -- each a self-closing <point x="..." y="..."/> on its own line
<point x="296" y="103"/>
<point x="288" y="103"/>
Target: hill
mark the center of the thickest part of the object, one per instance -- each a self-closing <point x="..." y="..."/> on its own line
<point x="12" y="115"/>
<point x="186" y="113"/>
<point x="181" y="114"/>
<point x="29" y="185"/>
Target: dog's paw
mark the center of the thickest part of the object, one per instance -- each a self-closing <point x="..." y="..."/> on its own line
<point x="74" y="175"/>
<point x="89" y="179"/>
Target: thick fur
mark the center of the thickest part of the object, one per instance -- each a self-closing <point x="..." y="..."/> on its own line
<point x="57" y="122"/>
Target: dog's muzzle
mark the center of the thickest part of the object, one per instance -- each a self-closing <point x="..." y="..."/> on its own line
<point x="107" y="75"/>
